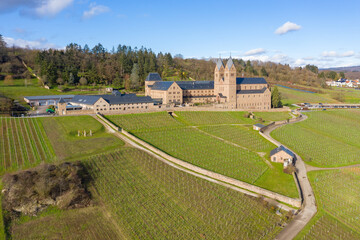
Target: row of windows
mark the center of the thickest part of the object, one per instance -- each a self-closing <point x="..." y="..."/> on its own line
<point x="120" y="108"/>
<point x="174" y="92"/>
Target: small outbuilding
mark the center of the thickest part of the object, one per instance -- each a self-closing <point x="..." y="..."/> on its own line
<point x="282" y="155"/>
<point x="258" y="126"/>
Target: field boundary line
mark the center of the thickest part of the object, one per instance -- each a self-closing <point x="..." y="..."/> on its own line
<point x="138" y="143"/>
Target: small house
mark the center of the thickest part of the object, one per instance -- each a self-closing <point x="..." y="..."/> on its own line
<point x="282" y="155"/>
<point x="258" y="126"/>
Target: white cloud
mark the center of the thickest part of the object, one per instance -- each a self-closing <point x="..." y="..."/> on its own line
<point x="287" y="27"/>
<point x="37" y="44"/>
<point x="35" y="8"/>
<point x="337" y="55"/>
<point x="256" y="51"/>
<point x="95" y="10"/>
<point x="52" y="7"/>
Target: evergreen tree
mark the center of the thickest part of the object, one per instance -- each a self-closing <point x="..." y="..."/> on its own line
<point x="134" y="77"/>
<point x="264" y="72"/>
<point x="276" y="98"/>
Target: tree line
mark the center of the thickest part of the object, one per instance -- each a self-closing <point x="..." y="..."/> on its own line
<point x="127" y="67"/>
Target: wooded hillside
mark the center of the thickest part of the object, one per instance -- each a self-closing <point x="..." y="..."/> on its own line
<point x="127" y="67"/>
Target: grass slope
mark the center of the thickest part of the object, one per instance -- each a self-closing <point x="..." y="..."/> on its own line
<point x="86" y="223"/>
<point x="63" y="135"/>
<point x="152" y="200"/>
<point x="337" y="196"/>
<point x="319" y="141"/>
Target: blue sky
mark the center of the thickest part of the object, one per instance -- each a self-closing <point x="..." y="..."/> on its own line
<point x="324" y="33"/>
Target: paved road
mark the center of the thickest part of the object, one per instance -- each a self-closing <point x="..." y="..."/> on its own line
<point x="308" y="209"/>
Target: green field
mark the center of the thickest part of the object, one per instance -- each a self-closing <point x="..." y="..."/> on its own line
<point x="243" y="157"/>
<point x="337" y="197"/>
<point x="63" y="135"/>
<point x="319" y="141"/>
<point x="24" y="143"/>
<point x="152" y="200"/>
<point x="272" y="116"/>
<point x="290" y="96"/>
<point x="85" y="223"/>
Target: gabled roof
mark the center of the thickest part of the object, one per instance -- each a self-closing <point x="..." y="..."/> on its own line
<point x="250" y="81"/>
<point x="259" y="125"/>
<point x="282" y="148"/>
<point x="163" y="86"/>
<point x="229" y="63"/>
<point x="192" y="85"/>
<point x="85" y="99"/>
<point x="254" y="91"/>
<point x="153" y="77"/>
<point x="219" y="64"/>
<point x="61" y="100"/>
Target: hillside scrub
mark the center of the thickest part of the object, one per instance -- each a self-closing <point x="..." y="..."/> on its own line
<point x="31" y="191"/>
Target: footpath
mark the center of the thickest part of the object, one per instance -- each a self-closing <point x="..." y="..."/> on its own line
<point x="308" y="208"/>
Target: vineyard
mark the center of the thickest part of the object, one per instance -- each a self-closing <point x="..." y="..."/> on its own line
<point x="272" y="116"/>
<point x="195" y="147"/>
<point x="290" y="96"/>
<point x="242" y="135"/>
<point x="86" y="223"/>
<point x="337" y="194"/>
<point x="63" y="135"/>
<point x="144" y="121"/>
<point x="23" y="144"/>
<point x="208" y="118"/>
<point x="244" y="160"/>
<point x="152" y="200"/>
<point x="319" y="141"/>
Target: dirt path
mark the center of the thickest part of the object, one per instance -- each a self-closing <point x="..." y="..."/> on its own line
<point x="234" y="184"/>
<point x="308" y="209"/>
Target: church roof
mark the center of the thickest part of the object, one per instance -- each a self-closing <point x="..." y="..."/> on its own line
<point x="219" y="63"/>
<point x="112" y="99"/>
<point x="229" y="63"/>
<point x="250" y="81"/>
<point x="191" y="85"/>
<point x="254" y="91"/>
<point x="61" y="100"/>
<point x="153" y="77"/>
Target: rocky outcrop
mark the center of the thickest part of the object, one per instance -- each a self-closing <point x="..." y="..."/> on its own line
<point x="30" y="191"/>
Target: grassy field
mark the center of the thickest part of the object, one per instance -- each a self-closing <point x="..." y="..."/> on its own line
<point x="337" y="196"/>
<point x="63" y="135"/>
<point x="319" y="141"/>
<point x="85" y="223"/>
<point x="290" y="96"/>
<point x="152" y="200"/>
<point x="24" y="143"/>
<point x="272" y="116"/>
<point x="243" y="157"/>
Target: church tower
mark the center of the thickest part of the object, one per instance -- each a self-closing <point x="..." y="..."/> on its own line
<point x="218" y="78"/>
<point x="230" y="83"/>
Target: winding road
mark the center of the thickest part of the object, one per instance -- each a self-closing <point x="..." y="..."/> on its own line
<point x="308" y="208"/>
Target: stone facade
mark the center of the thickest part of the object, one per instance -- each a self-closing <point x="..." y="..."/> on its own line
<point x="226" y="89"/>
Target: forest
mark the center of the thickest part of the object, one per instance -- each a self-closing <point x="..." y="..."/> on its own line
<point x="126" y="67"/>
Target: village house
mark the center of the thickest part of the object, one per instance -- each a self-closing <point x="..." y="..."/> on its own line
<point x="282" y="155"/>
<point x="228" y="90"/>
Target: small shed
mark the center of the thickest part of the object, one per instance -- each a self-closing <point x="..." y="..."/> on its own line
<point x="282" y="155"/>
<point x="258" y="126"/>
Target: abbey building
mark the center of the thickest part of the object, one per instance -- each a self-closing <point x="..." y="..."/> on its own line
<point x="227" y="90"/>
